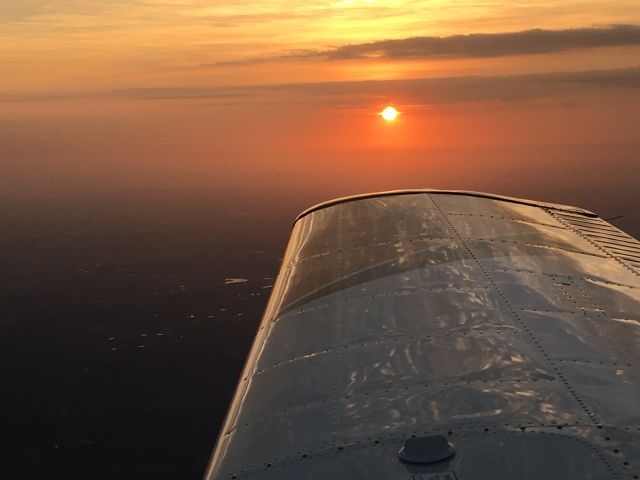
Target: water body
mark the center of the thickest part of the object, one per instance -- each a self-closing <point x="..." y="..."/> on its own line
<point x="127" y="313"/>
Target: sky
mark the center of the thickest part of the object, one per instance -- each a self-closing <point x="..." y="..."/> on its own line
<point x="101" y="93"/>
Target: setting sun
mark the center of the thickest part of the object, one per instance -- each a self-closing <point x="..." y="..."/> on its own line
<point x="389" y="114"/>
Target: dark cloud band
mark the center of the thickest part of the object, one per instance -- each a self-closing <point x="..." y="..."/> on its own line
<point x="492" y="44"/>
<point x="476" y="45"/>
<point x="443" y="90"/>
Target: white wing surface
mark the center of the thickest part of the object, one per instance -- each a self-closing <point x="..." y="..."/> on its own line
<point x="507" y="329"/>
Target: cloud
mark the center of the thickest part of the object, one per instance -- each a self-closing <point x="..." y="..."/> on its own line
<point x="12" y="11"/>
<point x="451" y="90"/>
<point x="493" y="44"/>
<point x="287" y="15"/>
<point x="15" y="11"/>
<point x="475" y="45"/>
<point x="441" y="90"/>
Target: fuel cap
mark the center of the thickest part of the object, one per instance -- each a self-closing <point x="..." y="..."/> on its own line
<point x="431" y="449"/>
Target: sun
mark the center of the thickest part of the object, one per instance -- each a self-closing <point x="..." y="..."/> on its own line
<point x="389" y="114"/>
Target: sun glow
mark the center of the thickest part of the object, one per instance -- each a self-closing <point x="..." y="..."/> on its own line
<point x="389" y="114"/>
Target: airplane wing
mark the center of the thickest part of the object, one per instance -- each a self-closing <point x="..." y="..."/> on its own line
<point x="443" y="335"/>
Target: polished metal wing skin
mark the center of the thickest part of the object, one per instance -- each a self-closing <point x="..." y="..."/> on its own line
<point x="509" y="327"/>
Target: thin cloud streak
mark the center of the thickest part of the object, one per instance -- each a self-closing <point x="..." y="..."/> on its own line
<point x="441" y="90"/>
<point x="475" y="45"/>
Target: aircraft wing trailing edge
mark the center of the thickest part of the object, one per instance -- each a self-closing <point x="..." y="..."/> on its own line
<point x="443" y="335"/>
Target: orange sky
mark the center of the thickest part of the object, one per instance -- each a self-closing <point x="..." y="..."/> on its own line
<point x="72" y="44"/>
<point x="153" y="85"/>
